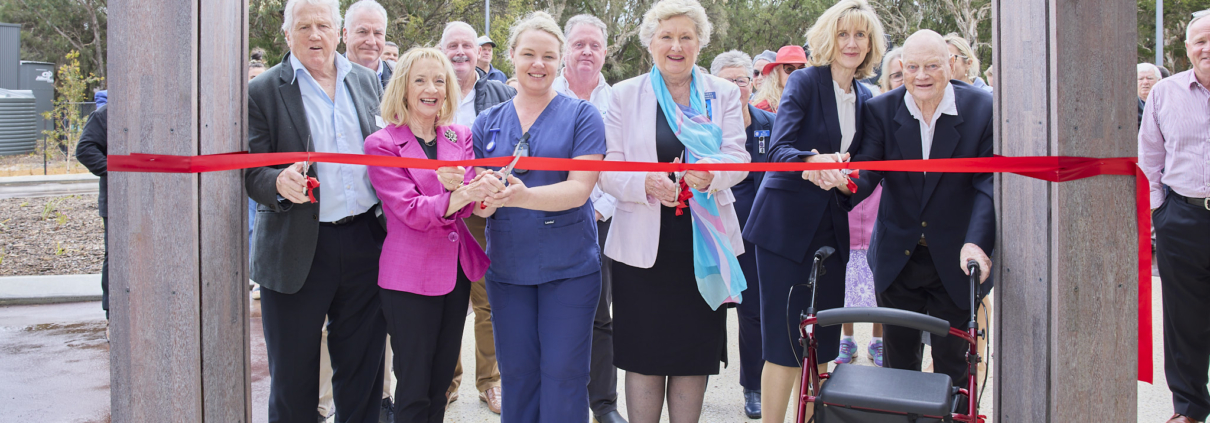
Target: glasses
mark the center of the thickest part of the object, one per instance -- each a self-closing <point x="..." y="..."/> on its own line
<point x="789" y="68"/>
<point x="741" y="81"/>
<point x="897" y="76"/>
<point x="959" y="56"/>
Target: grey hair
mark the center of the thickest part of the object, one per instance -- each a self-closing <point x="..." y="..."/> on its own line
<point x="577" y="20"/>
<point x="732" y="59"/>
<point x="456" y="25"/>
<point x="1197" y="16"/>
<point x="362" y="4"/>
<point x="392" y="44"/>
<point x="333" y="7"/>
<point x="1143" y="67"/>
<point x="668" y="9"/>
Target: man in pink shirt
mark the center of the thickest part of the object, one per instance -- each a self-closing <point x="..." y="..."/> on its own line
<point x="1174" y="152"/>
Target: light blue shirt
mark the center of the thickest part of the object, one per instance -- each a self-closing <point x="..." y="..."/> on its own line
<point x="345" y="190"/>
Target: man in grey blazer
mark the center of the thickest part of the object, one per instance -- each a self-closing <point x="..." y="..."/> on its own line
<point x="317" y="260"/>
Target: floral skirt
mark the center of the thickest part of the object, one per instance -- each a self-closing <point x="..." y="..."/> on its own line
<point x="859" y="281"/>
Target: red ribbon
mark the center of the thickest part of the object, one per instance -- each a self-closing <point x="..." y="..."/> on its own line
<point x="1048" y="168"/>
<point x="683" y="197"/>
<point x="312" y="184"/>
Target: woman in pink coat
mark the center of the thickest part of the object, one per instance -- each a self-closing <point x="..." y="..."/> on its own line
<point x="429" y="258"/>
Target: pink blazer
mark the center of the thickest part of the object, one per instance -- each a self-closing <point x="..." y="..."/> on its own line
<point x="634" y="235"/>
<point x="423" y="248"/>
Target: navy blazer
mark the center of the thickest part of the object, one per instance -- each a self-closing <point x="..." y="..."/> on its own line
<point x="788" y="209"/>
<point x="745" y="191"/>
<point x="949" y="209"/>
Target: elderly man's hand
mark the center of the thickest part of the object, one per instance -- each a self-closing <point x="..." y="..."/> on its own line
<point x="829" y="178"/>
<point x="292" y="185"/>
<point x="972" y="251"/>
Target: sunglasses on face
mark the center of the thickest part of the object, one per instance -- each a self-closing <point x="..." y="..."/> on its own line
<point x="790" y="68"/>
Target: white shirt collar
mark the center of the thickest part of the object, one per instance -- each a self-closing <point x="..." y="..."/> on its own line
<point x="343" y="66"/>
<point x="947" y="106"/>
<point x="843" y="97"/>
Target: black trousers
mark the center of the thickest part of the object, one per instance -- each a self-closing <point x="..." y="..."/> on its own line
<point x="1183" y="257"/>
<point x="426" y="336"/>
<point x="105" y="271"/>
<point x="603" y="375"/>
<point x="751" y="357"/>
<point x="918" y="289"/>
<point x="342" y="286"/>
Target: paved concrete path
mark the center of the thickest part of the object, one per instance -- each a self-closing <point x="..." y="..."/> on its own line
<point x="54" y="366"/>
<point x="47" y="186"/>
<point x="17" y="290"/>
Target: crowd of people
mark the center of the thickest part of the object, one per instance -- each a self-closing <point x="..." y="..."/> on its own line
<point x="366" y="274"/>
<point x="574" y="274"/>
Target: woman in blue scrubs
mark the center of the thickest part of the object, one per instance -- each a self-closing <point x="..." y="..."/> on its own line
<point x="545" y="275"/>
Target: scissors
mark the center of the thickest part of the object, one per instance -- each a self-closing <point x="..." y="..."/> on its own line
<point x="521" y="150"/>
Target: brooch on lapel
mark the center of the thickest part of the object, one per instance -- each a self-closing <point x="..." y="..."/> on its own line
<point x="451" y="136"/>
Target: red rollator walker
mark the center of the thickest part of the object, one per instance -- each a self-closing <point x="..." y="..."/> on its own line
<point x="869" y="394"/>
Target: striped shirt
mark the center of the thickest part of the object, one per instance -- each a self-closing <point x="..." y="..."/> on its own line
<point x="1174" y="139"/>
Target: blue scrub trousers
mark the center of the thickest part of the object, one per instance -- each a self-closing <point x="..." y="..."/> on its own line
<point x="544" y="347"/>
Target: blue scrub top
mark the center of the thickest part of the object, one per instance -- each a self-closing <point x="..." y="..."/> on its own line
<point x="529" y="247"/>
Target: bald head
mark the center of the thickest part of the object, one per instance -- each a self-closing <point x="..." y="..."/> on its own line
<point x="926" y="67"/>
<point x="925" y="43"/>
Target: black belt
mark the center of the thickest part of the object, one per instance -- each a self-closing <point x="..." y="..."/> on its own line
<point x="1200" y="202"/>
<point x="345" y="220"/>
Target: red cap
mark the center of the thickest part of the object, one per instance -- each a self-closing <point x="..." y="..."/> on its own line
<point x="787" y="55"/>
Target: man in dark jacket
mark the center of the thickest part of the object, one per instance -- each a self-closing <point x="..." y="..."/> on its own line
<point x="478" y="94"/>
<point x="929" y="224"/>
<point x="317" y="259"/>
<point x="91" y="152"/>
<point x="365" y="37"/>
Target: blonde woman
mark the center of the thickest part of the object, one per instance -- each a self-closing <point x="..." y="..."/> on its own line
<point x="965" y="66"/>
<point x="775" y="73"/>
<point x="545" y="278"/>
<point x="892" y="71"/>
<point x="429" y="258"/>
<point x="794" y="213"/>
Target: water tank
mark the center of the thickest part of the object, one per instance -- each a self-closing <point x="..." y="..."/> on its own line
<point x="18" y="122"/>
<point x="10" y="56"/>
<point x="39" y="77"/>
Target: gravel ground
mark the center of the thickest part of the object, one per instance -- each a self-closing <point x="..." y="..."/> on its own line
<point x="51" y="236"/>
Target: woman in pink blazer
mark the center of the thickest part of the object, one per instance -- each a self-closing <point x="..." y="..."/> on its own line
<point x="429" y="257"/>
<point x="669" y="334"/>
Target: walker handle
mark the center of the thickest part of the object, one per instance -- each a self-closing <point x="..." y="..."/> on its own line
<point x="886" y="316"/>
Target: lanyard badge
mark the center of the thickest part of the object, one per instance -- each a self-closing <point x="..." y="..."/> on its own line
<point x="761" y="138"/>
<point x="710" y="96"/>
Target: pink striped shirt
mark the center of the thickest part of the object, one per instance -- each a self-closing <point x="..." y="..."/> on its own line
<point x="1174" y="140"/>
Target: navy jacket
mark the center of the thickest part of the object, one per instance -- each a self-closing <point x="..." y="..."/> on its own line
<point x="949" y="209"/>
<point x="92" y="152"/>
<point x="745" y="191"/>
<point x="788" y="209"/>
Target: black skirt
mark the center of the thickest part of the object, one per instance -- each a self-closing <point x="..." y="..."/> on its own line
<point x="661" y="324"/>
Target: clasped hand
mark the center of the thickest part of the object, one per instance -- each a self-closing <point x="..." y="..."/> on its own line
<point x="828" y="178"/>
<point x="497" y="194"/>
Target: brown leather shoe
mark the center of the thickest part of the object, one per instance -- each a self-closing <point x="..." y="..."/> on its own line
<point x="492" y="397"/>
<point x="1177" y="418"/>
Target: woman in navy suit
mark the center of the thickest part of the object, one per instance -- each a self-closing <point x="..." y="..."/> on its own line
<point x="817" y="121"/>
